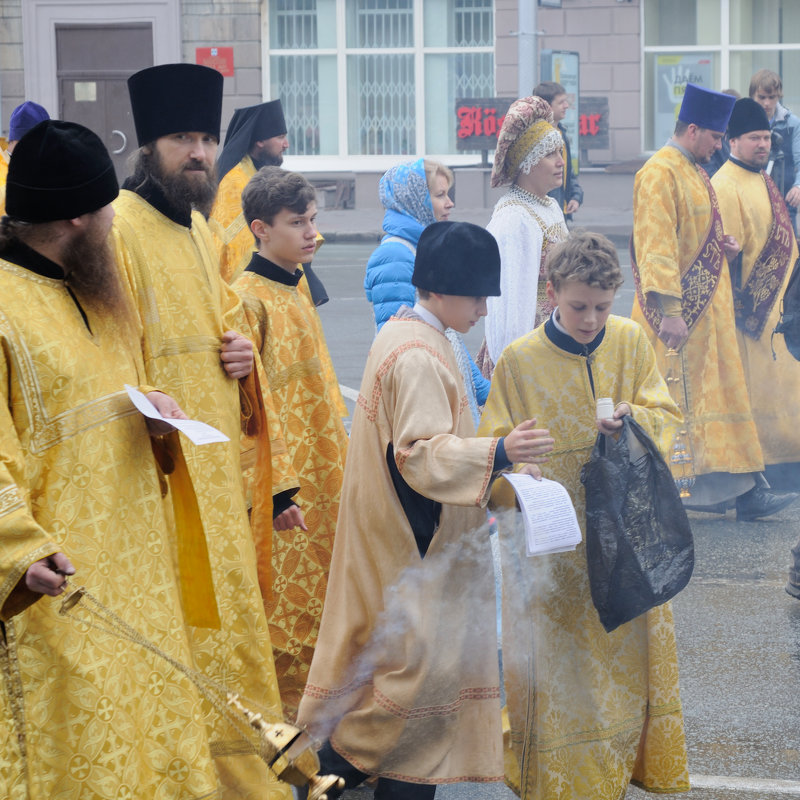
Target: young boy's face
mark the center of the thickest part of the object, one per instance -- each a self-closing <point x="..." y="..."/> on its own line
<point x="459" y="312"/>
<point x="291" y="239"/>
<point x="582" y="309"/>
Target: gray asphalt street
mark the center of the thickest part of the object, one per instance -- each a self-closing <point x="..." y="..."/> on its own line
<point x="738" y="631"/>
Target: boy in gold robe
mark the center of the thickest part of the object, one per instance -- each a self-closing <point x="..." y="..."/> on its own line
<point x="404" y="681"/>
<point x="589" y="711"/>
<point x="280" y="211"/>
<point x="83" y="713"/>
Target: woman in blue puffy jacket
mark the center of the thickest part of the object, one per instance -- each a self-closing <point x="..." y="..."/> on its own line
<point x="414" y="195"/>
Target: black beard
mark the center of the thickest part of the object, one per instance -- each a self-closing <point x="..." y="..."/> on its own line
<point x="91" y="272"/>
<point x="267" y="161"/>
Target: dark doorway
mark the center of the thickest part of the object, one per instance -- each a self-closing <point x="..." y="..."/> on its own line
<point x="93" y="64"/>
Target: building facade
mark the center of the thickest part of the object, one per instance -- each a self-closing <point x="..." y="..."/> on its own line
<point x="364" y="82"/>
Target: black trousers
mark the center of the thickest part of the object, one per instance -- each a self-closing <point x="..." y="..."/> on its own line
<point x="331" y="763"/>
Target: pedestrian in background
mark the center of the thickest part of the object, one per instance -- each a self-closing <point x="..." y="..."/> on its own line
<point x="766" y="88"/>
<point x="570" y="194"/>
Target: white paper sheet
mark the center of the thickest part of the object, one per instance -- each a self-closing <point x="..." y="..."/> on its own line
<point x="197" y="432"/>
<point x="551" y="525"/>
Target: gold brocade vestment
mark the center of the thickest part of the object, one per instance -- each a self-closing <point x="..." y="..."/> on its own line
<point x="773" y="384"/>
<point x="589" y="711"/>
<point x="288" y="336"/>
<point x="404" y="679"/>
<point x="82" y="713"/>
<point x="232" y="236"/>
<point x="671" y="214"/>
<point x="185" y="307"/>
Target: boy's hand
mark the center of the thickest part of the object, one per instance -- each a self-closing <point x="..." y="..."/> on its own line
<point x="528" y="444"/>
<point x="534" y="470"/>
<point x="236" y="355"/>
<point x="291" y="517"/>
<point x="609" y="426"/>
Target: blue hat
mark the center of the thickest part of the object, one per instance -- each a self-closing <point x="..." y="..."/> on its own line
<point x="23" y="118"/>
<point x="706" y="108"/>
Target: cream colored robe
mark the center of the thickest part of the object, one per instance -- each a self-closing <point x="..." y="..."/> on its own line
<point x="84" y="714"/>
<point x="589" y="711"/>
<point x="671" y="214"/>
<point x="185" y="307"/>
<point x="404" y="679"/>
<point x="773" y="384"/>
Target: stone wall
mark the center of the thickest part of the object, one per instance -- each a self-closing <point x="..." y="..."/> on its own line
<point x="228" y="23"/>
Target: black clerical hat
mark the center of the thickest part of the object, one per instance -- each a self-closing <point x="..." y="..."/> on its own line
<point x="173" y="98"/>
<point x="247" y="126"/>
<point x="747" y="116"/>
<point x="457" y="258"/>
<point x="59" y="170"/>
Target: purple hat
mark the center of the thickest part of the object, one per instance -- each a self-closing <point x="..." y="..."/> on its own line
<point x="23" y="118"/>
<point x="706" y="108"/>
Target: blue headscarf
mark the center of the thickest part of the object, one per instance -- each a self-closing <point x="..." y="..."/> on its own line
<point x="404" y="189"/>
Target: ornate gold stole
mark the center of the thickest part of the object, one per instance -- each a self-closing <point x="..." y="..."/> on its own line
<point x="700" y="281"/>
<point x="754" y="301"/>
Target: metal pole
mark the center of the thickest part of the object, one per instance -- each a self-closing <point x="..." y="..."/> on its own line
<point x="526" y="47"/>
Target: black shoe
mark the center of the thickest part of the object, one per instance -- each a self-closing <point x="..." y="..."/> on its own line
<point x="759" y="502"/>
<point x="715" y="508"/>
<point x="793" y="589"/>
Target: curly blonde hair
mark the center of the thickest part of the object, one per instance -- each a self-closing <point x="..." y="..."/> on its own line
<point x="584" y="257"/>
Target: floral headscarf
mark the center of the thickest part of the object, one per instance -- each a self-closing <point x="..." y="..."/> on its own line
<point x="526" y="137"/>
<point x="404" y="188"/>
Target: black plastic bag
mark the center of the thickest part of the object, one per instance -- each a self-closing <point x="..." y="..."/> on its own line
<point x="639" y="546"/>
<point x="789" y="322"/>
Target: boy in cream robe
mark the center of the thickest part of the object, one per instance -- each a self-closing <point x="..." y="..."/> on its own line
<point x="589" y="711"/>
<point x="280" y="209"/>
<point x="404" y="681"/>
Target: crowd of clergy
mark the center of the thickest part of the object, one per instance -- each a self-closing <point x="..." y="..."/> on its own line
<point x="346" y="583"/>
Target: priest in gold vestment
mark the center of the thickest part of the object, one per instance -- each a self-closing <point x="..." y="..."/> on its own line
<point x="280" y="209"/>
<point x="755" y="214"/>
<point x="188" y="313"/>
<point x="684" y="302"/>
<point x="588" y="711"/>
<point x="256" y="138"/>
<point x="83" y="714"/>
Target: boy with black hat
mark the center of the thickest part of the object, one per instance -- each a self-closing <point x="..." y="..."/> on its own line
<point x="83" y="714"/>
<point x="256" y="138"/>
<point x="404" y="682"/>
<point x="189" y="316"/>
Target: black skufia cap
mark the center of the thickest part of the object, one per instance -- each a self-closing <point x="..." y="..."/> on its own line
<point x="59" y="170"/>
<point x="747" y="116"/>
<point x="457" y="258"/>
<point x="173" y="98"/>
<point x="248" y="126"/>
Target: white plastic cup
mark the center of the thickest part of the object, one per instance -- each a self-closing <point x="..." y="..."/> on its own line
<point x="605" y="408"/>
